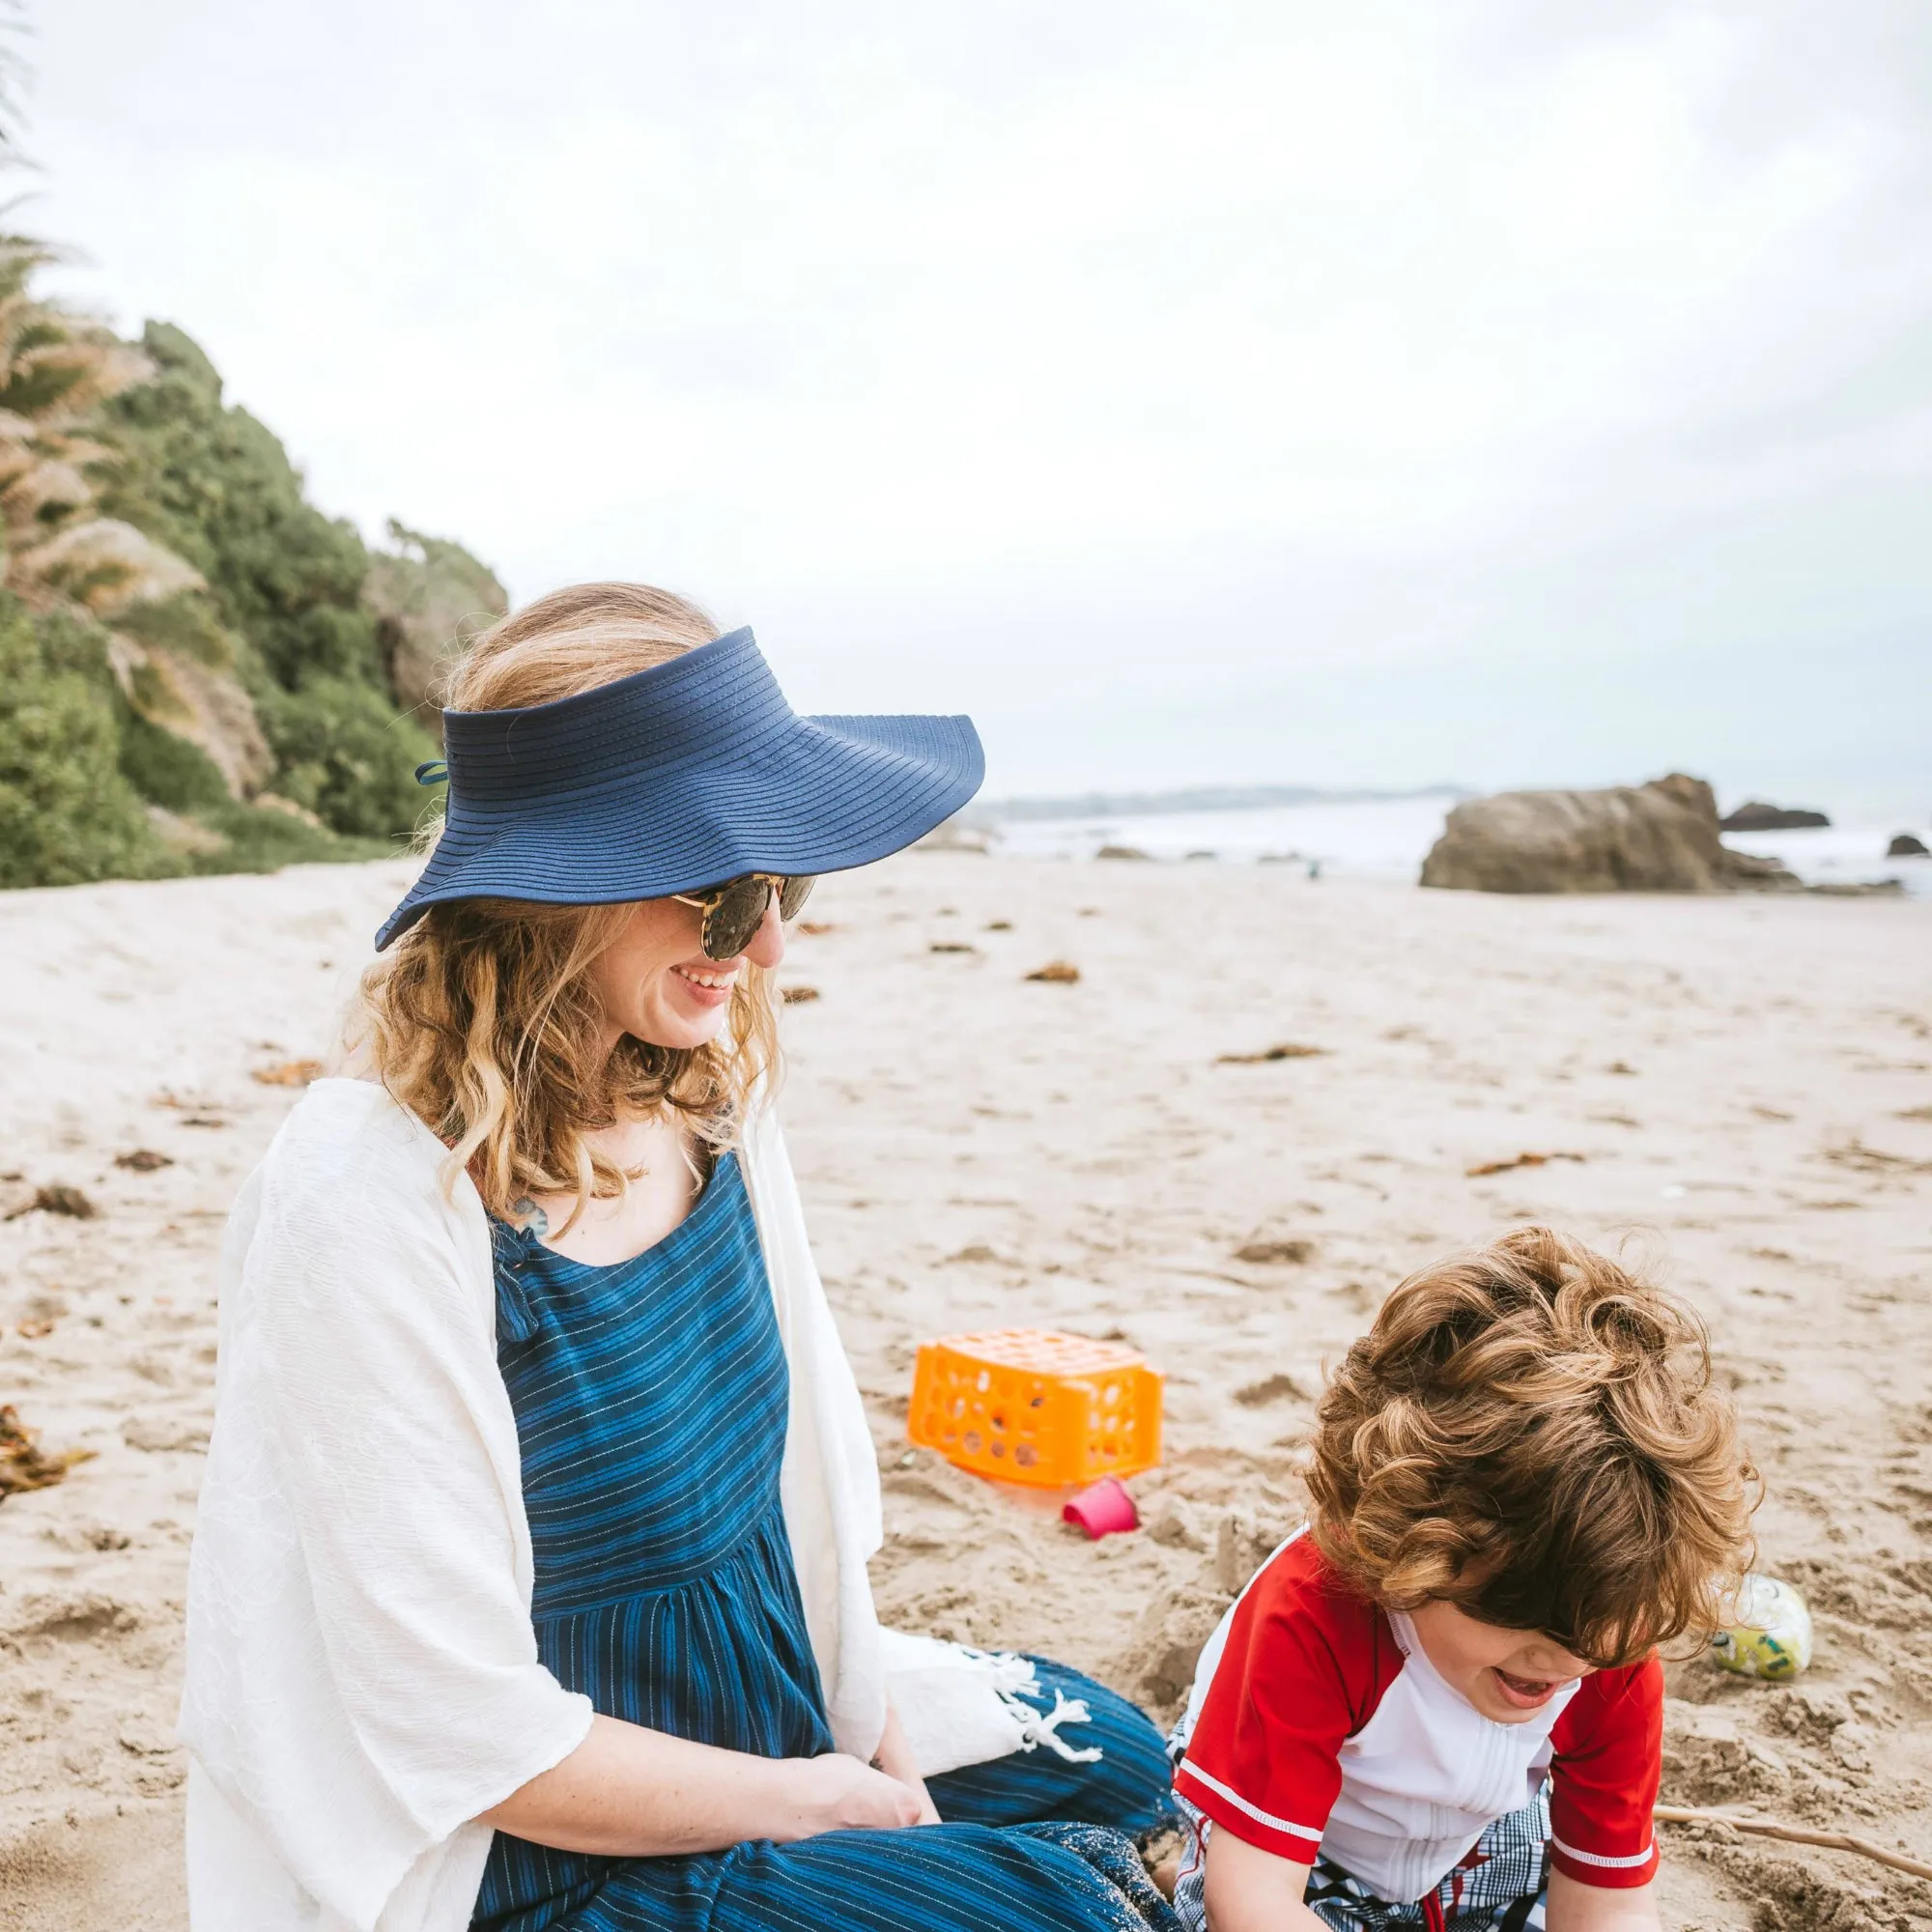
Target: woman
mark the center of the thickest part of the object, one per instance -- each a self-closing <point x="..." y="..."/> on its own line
<point x="529" y="1587"/>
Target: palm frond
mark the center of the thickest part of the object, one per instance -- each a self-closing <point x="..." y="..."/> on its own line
<point x="102" y="564"/>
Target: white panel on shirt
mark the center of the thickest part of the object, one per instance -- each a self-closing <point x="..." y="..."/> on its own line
<point x="1427" y="1773"/>
<point x="1422" y="1778"/>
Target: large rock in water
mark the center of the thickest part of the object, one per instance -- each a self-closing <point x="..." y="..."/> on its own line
<point x="1655" y="838"/>
<point x="1754" y="816"/>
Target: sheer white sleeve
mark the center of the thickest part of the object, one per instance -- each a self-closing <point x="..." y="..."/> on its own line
<point x="362" y="1675"/>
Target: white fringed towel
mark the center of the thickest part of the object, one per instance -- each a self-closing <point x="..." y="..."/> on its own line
<point x="941" y="1692"/>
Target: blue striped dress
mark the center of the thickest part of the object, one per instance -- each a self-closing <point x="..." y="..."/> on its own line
<point x="650" y="1399"/>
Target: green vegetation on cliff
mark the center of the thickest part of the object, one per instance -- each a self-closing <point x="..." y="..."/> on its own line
<point x="214" y="485"/>
<point x="68" y="812"/>
<point x="199" y="670"/>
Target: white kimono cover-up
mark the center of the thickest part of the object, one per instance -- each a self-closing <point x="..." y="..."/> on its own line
<point x="362" y="1674"/>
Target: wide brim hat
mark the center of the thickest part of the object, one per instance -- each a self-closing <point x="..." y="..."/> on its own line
<point x="677" y="778"/>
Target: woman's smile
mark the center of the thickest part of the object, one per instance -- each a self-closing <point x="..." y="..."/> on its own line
<point x="709" y="984"/>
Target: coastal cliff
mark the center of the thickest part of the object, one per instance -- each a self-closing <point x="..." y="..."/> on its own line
<point x="200" y="671"/>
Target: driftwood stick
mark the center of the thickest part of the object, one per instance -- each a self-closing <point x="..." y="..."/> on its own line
<point x="1768" y="1827"/>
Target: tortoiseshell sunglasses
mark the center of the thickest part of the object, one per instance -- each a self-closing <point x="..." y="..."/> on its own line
<point x="734" y="911"/>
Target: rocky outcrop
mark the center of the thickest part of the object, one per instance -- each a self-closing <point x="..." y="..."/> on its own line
<point x="429" y="597"/>
<point x="1655" y="838"/>
<point x="1754" y="816"/>
<point x="1907" y="845"/>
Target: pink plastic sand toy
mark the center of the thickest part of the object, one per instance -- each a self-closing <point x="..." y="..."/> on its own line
<point x="1103" y="1508"/>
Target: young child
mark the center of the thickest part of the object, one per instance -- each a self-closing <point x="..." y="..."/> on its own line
<point x="1439" y="1705"/>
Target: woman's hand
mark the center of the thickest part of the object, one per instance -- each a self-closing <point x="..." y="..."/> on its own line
<point x="839" y="1793"/>
<point x="628" y="1792"/>
<point x="896" y="1759"/>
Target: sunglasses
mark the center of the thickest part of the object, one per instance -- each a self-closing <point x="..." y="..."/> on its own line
<point x="734" y="911"/>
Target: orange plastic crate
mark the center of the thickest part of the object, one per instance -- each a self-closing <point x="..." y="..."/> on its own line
<point x="1028" y="1405"/>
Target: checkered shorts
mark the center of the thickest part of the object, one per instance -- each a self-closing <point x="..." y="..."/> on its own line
<point x="1499" y="1886"/>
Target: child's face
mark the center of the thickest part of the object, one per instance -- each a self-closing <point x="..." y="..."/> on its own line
<point x="1508" y="1675"/>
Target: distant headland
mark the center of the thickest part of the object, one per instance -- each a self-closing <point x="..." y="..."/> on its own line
<point x="1192" y="798"/>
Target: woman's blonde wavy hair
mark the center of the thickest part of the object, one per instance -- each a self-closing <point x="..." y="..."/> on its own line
<point x="482" y="1020"/>
<point x="1533" y="1432"/>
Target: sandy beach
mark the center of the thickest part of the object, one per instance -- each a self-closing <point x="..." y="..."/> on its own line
<point x="1742" y="1085"/>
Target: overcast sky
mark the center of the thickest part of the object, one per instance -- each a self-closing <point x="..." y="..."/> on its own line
<point x="1288" y="393"/>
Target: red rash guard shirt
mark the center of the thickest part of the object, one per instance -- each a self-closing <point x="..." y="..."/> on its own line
<point x="1318" y="1721"/>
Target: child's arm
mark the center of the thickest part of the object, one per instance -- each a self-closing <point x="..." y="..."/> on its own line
<point x="1252" y="1890"/>
<point x="1608" y="1761"/>
<point x="1592" y="1908"/>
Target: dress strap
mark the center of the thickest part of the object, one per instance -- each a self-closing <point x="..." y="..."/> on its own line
<point x="510" y="1252"/>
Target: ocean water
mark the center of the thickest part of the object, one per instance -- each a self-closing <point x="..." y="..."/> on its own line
<point x="1388" y="838"/>
<point x="1382" y="837"/>
<point x="1849" y="854"/>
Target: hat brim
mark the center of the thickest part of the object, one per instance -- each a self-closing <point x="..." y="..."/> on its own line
<point x="821" y="795"/>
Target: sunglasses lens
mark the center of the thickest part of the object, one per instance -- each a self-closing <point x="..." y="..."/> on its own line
<point x="734" y="917"/>
<point x="794" y="894"/>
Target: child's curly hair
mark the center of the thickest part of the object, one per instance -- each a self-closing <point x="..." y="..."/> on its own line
<point x="1532" y="1432"/>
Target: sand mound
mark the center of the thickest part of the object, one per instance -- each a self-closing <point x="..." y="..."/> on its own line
<point x="97" y="1870"/>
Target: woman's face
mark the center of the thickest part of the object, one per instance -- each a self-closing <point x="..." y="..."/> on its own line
<point x="1508" y="1675"/>
<point x="656" y="984"/>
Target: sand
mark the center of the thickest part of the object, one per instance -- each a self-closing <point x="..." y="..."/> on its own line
<point x="1749" y="1083"/>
